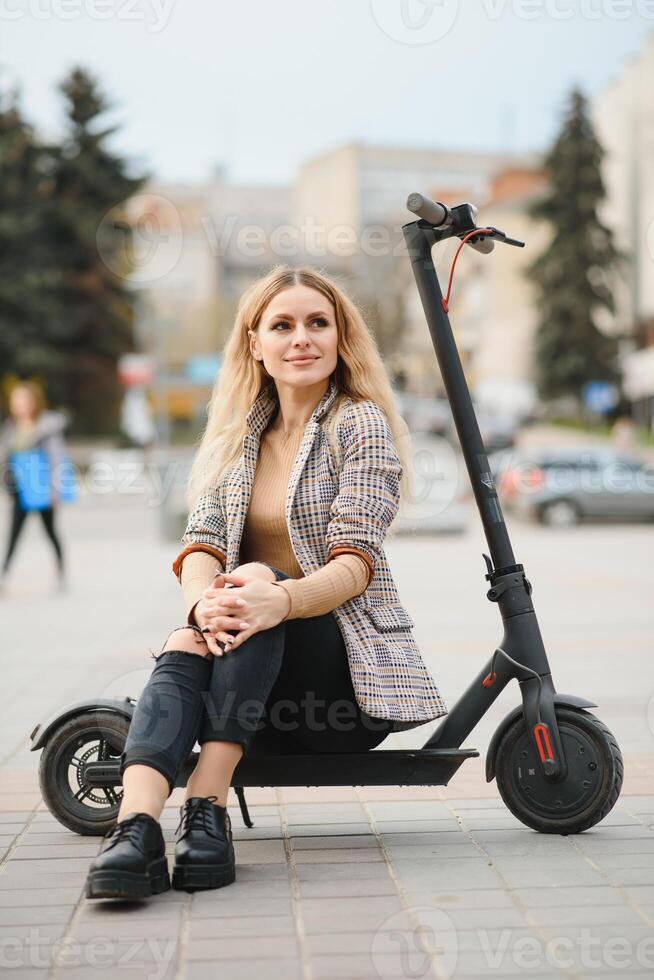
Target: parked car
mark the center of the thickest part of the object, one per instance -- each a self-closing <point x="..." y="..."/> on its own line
<point x="560" y="487"/>
<point x="424" y="414"/>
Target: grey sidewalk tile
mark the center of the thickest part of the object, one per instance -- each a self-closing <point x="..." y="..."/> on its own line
<point x="241" y="948"/>
<point x="337" y="923"/>
<point x="243" y="907"/>
<point x="452" y="880"/>
<point x="48" y="932"/>
<point x="47" y="864"/>
<point x="417" y="826"/>
<point x="347" y="944"/>
<point x="346" y="842"/>
<point x="328" y="871"/>
<point x="259" y="852"/>
<point x="38" y="896"/>
<point x="617" y="847"/>
<point x="495" y="918"/>
<point x="126" y="927"/>
<point x="445" y="838"/>
<point x="597" y="915"/>
<point x="434" y="852"/>
<point x="233" y="927"/>
<point x="360" y="887"/>
<point x="347" y="905"/>
<point x="641" y="894"/>
<point x="37" y="852"/>
<point x="630" y="876"/>
<point x="276" y="969"/>
<point x="473" y="898"/>
<point x="542" y="876"/>
<point x="343" y="855"/>
<point x="273" y="888"/>
<point x="37" y="915"/>
<point x="329" y="829"/>
<point x="589" y="896"/>
<point x="21" y="878"/>
<point x="361" y="967"/>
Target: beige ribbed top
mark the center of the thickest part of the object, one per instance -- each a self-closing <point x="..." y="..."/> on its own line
<point x="265" y="538"/>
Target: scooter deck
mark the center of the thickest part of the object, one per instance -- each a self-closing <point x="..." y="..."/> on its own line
<point x="392" y="767"/>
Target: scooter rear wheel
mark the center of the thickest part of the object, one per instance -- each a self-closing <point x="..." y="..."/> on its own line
<point x="590" y="789"/>
<point x="90" y="737"/>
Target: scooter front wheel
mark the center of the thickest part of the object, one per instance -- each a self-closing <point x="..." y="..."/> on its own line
<point x="588" y="792"/>
<point x="90" y="737"/>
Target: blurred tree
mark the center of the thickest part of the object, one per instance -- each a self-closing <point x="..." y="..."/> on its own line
<point x="89" y="231"/>
<point x="575" y="273"/>
<point x="26" y="277"/>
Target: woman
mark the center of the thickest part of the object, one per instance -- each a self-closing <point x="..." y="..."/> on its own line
<point x="31" y="426"/>
<point x="296" y="639"/>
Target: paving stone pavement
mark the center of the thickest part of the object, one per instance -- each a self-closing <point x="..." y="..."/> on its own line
<point x="367" y="882"/>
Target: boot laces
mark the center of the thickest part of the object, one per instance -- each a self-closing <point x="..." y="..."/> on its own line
<point x="126" y="829"/>
<point x="196" y="813"/>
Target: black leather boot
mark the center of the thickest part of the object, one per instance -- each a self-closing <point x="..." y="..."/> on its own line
<point x="204" y="852"/>
<point x="133" y="864"/>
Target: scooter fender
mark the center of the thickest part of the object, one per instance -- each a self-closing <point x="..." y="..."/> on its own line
<point x="42" y="732"/>
<point x="569" y="700"/>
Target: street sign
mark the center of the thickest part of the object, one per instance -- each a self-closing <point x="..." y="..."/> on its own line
<point x="600" y="396"/>
<point x="203" y="369"/>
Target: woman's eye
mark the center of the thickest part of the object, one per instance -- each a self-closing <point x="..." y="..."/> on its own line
<point x="320" y="320"/>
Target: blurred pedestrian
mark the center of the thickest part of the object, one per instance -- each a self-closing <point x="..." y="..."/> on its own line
<point x="31" y="426"/>
<point x="623" y="433"/>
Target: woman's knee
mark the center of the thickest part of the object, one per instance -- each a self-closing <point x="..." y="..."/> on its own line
<point x="187" y="640"/>
<point x="256" y="569"/>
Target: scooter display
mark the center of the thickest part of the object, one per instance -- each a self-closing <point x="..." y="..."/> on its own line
<point x="558" y="768"/>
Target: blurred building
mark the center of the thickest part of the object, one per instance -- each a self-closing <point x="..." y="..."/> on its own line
<point x="623" y="115"/>
<point x="201" y="245"/>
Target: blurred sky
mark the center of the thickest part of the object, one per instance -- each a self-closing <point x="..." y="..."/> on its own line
<point x="260" y="86"/>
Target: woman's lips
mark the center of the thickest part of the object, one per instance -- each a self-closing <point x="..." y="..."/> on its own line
<point x="303" y="360"/>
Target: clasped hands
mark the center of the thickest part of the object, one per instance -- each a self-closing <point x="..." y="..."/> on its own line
<point x="242" y="601"/>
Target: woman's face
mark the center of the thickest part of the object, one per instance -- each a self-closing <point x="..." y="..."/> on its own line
<point x="21" y="404"/>
<point x="298" y="322"/>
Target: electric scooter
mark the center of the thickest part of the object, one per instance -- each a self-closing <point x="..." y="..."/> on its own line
<point x="558" y="768"/>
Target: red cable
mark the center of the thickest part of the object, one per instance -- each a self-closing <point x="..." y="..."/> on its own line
<point x="445" y="302"/>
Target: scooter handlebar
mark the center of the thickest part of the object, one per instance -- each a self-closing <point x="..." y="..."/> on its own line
<point x="431" y="211"/>
<point x="440" y="216"/>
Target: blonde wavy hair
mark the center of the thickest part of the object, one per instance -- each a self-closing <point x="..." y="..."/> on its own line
<point x="360" y="373"/>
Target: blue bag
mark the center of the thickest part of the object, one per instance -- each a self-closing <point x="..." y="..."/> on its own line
<point x="31" y="471"/>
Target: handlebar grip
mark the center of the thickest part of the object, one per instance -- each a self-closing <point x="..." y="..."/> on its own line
<point x="428" y="210"/>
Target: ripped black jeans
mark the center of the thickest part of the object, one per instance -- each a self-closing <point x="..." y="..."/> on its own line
<point x="287" y="689"/>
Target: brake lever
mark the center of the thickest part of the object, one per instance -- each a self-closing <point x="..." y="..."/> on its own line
<point x="499" y="236"/>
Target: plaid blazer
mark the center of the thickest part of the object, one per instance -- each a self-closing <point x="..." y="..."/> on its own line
<point x="331" y="508"/>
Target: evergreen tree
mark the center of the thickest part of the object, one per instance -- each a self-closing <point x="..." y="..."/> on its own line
<point x="26" y="276"/>
<point x="574" y="274"/>
<point x="87" y="230"/>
